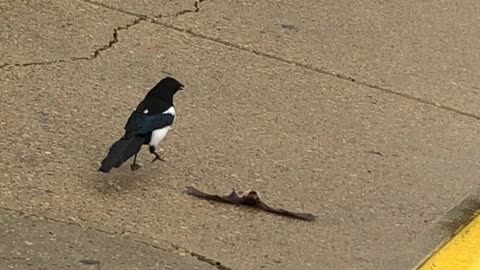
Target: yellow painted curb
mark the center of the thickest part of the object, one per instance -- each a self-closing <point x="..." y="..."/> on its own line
<point x="462" y="252"/>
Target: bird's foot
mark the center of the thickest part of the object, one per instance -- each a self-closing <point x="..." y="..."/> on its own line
<point x="134" y="167"/>
<point x="157" y="157"/>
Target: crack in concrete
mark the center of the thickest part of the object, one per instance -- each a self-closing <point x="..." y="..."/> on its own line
<point x="34" y="63"/>
<point x="202" y="258"/>
<point x="13" y="258"/>
<point x="197" y="256"/>
<point x="92" y="56"/>
<point x="196" y="9"/>
<point x="197" y="5"/>
<point x="95" y="3"/>
<point x="324" y="71"/>
<point x="113" y="41"/>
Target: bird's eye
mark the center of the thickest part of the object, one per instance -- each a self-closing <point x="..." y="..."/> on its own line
<point x="145" y="111"/>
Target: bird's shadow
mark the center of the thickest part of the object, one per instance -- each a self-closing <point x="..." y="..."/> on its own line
<point x="119" y="181"/>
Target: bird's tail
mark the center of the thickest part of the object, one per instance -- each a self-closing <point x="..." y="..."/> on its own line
<point x="121" y="151"/>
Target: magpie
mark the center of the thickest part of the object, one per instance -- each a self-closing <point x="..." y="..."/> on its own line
<point x="148" y="125"/>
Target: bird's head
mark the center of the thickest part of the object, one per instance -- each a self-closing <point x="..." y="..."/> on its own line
<point x="167" y="87"/>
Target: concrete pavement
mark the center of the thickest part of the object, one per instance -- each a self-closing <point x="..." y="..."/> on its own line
<point x="308" y="103"/>
<point x="32" y="242"/>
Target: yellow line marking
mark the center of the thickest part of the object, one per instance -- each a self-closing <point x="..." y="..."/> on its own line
<point x="462" y="252"/>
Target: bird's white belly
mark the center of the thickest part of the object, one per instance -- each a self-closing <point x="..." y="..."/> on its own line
<point x="158" y="135"/>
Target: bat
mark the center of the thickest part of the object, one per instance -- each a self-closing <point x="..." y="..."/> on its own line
<point x="249" y="198"/>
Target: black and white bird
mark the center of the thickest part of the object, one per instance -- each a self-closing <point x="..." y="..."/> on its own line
<point x="148" y="124"/>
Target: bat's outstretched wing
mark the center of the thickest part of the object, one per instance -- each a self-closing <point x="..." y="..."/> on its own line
<point x="251" y="199"/>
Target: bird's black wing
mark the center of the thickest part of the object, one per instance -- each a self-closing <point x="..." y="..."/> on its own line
<point x="141" y="124"/>
<point x="136" y="130"/>
<point x="153" y="106"/>
<point x="147" y="117"/>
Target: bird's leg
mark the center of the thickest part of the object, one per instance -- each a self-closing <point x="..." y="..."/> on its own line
<point x="134" y="165"/>
<point x="157" y="156"/>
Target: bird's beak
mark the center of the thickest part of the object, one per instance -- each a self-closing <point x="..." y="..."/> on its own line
<point x="181" y="87"/>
